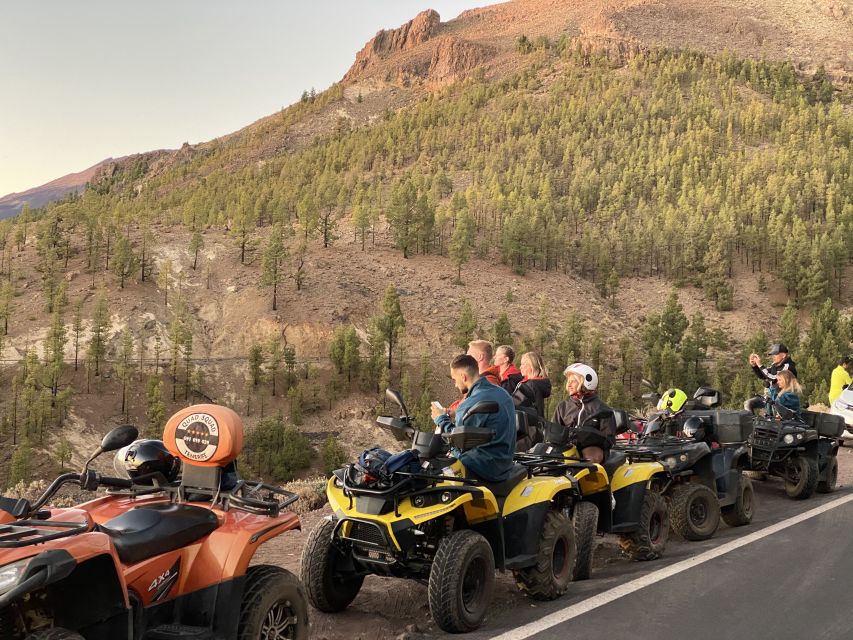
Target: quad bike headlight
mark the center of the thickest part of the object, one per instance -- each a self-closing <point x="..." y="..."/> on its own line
<point x="788" y="439"/>
<point x="11" y="574"/>
<point x="670" y="462"/>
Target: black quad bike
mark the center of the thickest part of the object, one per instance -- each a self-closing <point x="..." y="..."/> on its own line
<point x="703" y="450"/>
<point x="802" y="451"/>
<point x="433" y="522"/>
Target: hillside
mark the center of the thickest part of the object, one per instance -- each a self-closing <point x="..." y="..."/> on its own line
<point x="572" y="172"/>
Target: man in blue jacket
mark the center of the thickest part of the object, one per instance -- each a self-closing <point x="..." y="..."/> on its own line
<point x="491" y="461"/>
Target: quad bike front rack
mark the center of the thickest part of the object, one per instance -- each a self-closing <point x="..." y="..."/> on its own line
<point x="27" y="532"/>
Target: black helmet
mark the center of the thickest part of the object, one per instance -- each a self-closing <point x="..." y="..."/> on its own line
<point x="145" y="457"/>
<point x="694" y="427"/>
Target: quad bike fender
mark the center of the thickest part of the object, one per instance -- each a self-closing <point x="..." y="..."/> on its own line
<point x="538" y="490"/>
<point x="238" y="538"/>
<point x="591" y="480"/>
<point x="635" y="473"/>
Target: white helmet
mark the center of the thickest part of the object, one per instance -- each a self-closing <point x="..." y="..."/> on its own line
<point x="587" y="373"/>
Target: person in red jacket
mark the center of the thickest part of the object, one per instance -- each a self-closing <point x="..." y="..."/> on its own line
<point x="509" y="375"/>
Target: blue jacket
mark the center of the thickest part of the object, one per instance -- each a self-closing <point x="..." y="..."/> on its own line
<point x="789" y="401"/>
<point x="491" y="461"/>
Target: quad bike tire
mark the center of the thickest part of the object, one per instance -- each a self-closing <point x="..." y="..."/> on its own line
<point x="585" y="521"/>
<point x="55" y="634"/>
<point x="807" y="478"/>
<point x="274" y="605"/>
<point x="649" y="540"/>
<point x="694" y="511"/>
<point x="327" y="590"/>
<point x="828" y="485"/>
<point x="741" y="512"/>
<point x="556" y="557"/>
<point x="461" y="581"/>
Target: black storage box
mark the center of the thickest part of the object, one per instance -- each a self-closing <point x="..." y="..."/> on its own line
<point x="827" y="425"/>
<point x="730" y="425"/>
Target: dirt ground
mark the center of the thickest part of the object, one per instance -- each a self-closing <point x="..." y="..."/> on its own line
<point x="394" y="609"/>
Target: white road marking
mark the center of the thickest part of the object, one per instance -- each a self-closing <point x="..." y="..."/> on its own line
<point x="627" y="588"/>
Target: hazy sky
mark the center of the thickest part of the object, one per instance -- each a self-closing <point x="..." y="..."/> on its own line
<point x="84" y="80"/>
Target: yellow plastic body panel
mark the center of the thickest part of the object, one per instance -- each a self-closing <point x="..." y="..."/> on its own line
<point x="634" y="472"/>
<point x="479" y="505"/>
<point x="535" y="490"/>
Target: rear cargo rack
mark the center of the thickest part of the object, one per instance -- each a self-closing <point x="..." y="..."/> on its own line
<point x="27" y="532"/>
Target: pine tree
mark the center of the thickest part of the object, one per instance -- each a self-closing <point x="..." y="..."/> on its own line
<point x="124" y="368"/>
<point x="502" y="331"/>
<point x="256" y="363"/>
<point x="124" y="260"/>
<point x="164" y="279"/>
<point x="275" y="360"/>
<point x="196" y="245"/>
<point x="98" y="340"/>
<point x="460" y="243"/>
<point x="391" y="322"/>
<point x="273" y="263"/>
<point x="155" y="407"/>
<point x="63" y="452"/>
<point x="465" y="328"/>
<point x="789" y="327"/>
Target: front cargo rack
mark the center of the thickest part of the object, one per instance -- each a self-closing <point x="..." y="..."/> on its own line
<point x="27" y="532"/>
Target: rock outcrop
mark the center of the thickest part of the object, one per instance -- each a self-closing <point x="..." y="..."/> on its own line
<point x="387" y="42"/>
<point x="453" y="58"/>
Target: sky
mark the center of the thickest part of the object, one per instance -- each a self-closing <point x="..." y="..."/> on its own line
<point x="85" y="80"/>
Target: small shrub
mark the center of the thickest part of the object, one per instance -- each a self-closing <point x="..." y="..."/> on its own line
<point x="334" y="455"/>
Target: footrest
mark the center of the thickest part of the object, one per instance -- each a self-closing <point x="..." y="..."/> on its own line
<point x="178" y="632"/>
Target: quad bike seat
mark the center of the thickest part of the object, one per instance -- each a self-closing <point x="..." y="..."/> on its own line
<point x="502" y="489"/>
<point x="145" y="532"/>
<point x="615" y="459"/>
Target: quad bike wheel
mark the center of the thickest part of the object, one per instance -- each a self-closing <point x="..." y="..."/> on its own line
<point x="828" y="485"/>
<point x="740" y="513"/>
<point x="694" y="511"/>
<point x="274" y="606"/>
<point x="649" y="540"/>
<point x="461" y="581"/>
<point x="585" y="521"/>
<point x="802" y="477"/>
<point x="55" y="634"/>
<point x="555" y="560"/>
<point x="327" y="574"/>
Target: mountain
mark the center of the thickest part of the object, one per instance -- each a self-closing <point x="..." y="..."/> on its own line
<point x="11" y="204"/>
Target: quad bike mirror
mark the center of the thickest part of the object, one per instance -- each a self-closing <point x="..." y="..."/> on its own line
<point x="119" y="437"/>
<point x="394" y="396"/>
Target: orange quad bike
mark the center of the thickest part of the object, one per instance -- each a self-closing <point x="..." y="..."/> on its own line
<point x="153" y="559"/>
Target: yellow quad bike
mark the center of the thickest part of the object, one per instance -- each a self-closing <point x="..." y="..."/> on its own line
<point x="440" y="527"/>
<point x="630" y="501"/>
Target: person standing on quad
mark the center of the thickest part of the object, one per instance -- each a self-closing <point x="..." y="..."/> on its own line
<point x="840" y="379"/>
<point x="509" y="375"/>
<point x="584" y="410"/>
<point x="781" y="362"/>
<point x="534" y="386"/>
<point x="789" y="392"/>
<point x="491" y="461"/>
<point x="482" y="351"/>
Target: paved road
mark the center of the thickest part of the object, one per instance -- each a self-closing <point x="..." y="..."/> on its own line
<point x="782" y="584"/>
